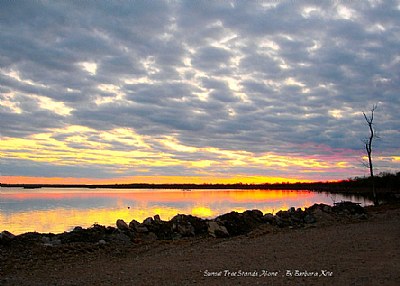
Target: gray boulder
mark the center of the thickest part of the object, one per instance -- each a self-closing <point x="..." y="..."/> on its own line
<point x="157" y="218"/>
<point x="189" y="225"/>
<point x="346" y="207"/>
<point x="133" y="225"/>
<point x="148" y="221"/>
<point x="142" y="229"/>
<point x="241" y="223"/>
<point x="122" y="225"/>
<point x="216" y="229"/>
<point x="120" y="237"/>
<point x="269" y="218"/>
<point x="184" y="229"/>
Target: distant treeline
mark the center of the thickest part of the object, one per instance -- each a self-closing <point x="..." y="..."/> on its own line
<point x="384" y="182"/>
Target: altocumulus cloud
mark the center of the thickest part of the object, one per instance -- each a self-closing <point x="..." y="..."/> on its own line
<point x="197" y="88"/>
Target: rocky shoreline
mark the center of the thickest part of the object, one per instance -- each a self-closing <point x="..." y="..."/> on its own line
<point x="354" y="243"/>
<point x="186" y="226"/>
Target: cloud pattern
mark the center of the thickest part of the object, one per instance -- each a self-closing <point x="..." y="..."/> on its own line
<point x="198" y="88"/>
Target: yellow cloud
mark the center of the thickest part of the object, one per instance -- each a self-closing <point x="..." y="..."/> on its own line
<point x="174" y="144"/>
<point x="79" y="145"/>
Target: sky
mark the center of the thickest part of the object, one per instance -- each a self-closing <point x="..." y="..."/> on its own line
<point x="197" y="91"/>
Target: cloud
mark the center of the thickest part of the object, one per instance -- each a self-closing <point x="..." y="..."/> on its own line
<point x="263" y="78"/>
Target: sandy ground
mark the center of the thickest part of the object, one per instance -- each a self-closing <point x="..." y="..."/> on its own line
<point x="353" y="253"/>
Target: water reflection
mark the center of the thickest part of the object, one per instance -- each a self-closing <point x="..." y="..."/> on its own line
<point x="58" y="210"/>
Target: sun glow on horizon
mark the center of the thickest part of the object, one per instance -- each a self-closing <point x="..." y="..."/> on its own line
<point x="148" y="180"/>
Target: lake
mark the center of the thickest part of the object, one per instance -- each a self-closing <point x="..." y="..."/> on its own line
<point x="57" y="209"/>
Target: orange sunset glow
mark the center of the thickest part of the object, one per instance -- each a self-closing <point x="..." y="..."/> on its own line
<point x="160" y="195"/>
<point x="148" y="180"/>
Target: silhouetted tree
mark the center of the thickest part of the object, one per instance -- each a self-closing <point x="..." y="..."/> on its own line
<point x="368" y="148"/>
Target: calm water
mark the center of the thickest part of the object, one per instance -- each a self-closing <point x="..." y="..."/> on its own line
<point x="57" y="210"/>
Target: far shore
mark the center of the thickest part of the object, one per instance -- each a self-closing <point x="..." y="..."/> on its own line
<point x="387" y="187"/>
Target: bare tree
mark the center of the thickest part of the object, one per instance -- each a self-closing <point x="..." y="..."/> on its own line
<point x="368" y="148"/>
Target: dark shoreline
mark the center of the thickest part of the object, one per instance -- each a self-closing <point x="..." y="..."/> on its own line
<point x="384" y="183"/>
<point x="387" y="186"/>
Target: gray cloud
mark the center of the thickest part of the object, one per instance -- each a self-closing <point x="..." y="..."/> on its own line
<point x="241" y="75"/>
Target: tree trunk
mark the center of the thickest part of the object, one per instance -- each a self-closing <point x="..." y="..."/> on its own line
<point x="368" y="147"/>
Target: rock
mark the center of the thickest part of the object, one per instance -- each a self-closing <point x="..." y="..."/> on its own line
<point x="163" y="229"/>
<point x="121" y="237"/>
<point x="122" y="225"/>
<point x="151" y="236"/>
<point x="286" y="218"/>
<point x="157" y="218"/>
<point x="280" y="222"/>
<point x="320" y="207"/>
<point x="309" y="218"/>
<point x="142" y="229"/>
<point x="348" y="208"/>
<point x="321" y="217"/>
<point x="148" y="221"/>
<point x="240" y="223"/>
<point x="188" y="225"/>
<point x="184" y="229"/>
<point x="93" y="234"/>
<point x="291" y="218"/>
<point x="269" y="218"/>
<point x="217" y="230"/>
<point x="283" y="214"/>
<point x="134" y="224"/>
<point x="102" y="241"/>
<point x="6" y="237"/>
<point x="179" y="218"/>
<point x="255" y="215"/>
<point x="47" y="241"/>
<point x="295" y="220"/>
<point x="296" y="217"/>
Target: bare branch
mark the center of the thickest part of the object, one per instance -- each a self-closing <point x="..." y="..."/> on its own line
<point x="366" y="118"/>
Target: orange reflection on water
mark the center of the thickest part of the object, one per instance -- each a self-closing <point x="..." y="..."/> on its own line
<point x="60" y="220"/>
<point x="167" y="195"/>
<point x="43" y="210"/>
